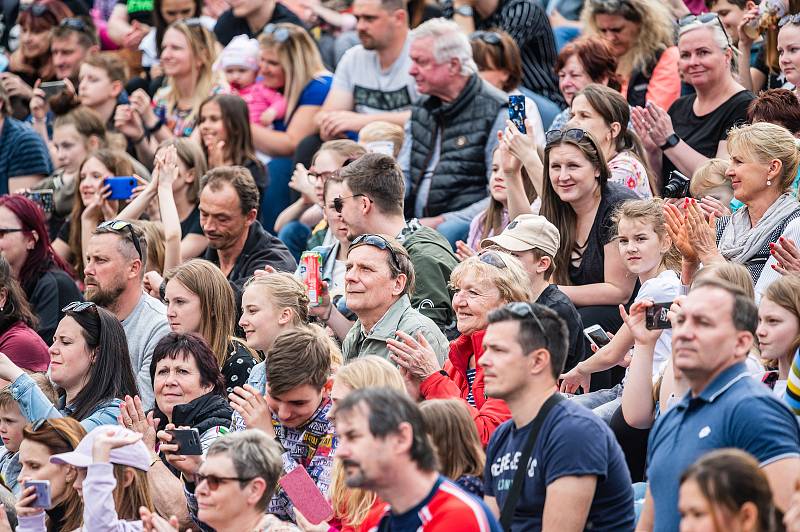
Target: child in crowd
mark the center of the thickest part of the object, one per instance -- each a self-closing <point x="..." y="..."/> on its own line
<point x="713" y="189"/>
<point x="239" y="60"/>
<point x="382" y="137"/>
<point x="12" y="421"/>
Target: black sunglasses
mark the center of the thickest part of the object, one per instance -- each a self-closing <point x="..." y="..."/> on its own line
<point x="118" y="226"/>
<point x="214" y="481"/>
<point x="79" y="306"/>
<point x="280" y="34"/>
<point x="489" y="37"/>
<point x="376" y="241"/>
<point x="492" y="258"/>
<point x="338" y="203"/>
<point x="76" y="24"/>
<point x="705" y="18"/>
<point x="37" y="10"/>
<point x="574" y="134"/>
<point x="523" y="311"/>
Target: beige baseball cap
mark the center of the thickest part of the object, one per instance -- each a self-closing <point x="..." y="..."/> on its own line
<point x="525" y="232"/>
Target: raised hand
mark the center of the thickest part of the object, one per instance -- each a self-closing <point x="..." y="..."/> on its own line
<point x="253" y="408"/>
<point x="678" y="231"/>
<point x="787" y="254"/>
<point x="416" y="356"/>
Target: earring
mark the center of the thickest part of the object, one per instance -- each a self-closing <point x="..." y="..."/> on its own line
<point x="769" y="182"/>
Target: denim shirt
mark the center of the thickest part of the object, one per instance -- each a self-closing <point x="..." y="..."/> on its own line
<point x="35" y="405"/>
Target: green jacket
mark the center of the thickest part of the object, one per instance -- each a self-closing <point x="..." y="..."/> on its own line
<point x="400" y="317"/>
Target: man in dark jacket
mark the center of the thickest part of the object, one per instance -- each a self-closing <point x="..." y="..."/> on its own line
<point x="237" y="242"/>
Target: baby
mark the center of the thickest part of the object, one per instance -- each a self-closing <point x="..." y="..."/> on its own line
<point x="239" y="60"/>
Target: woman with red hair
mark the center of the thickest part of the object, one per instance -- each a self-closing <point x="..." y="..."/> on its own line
<point x="46" y="279"/>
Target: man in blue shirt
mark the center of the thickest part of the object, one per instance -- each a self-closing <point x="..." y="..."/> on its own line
<point x="576" y="477"/>
<point x="24" y="159"/>
<point x="713" y="331"/>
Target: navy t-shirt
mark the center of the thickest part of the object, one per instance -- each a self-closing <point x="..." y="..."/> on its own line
<point x="22" y="152"/>
<point x="572" y="442"/>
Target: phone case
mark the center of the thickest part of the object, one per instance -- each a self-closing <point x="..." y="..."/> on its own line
<point x="42" y="493"/>
<point x="188" y="441"/>
<point x="306" y="496"/>
<point x="656" y="316"/>
<point x="121" y="186"/>
<point x="44" y="198"/>
<point x="516" y="111"/>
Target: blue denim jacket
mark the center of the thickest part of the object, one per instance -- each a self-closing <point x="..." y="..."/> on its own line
<point x="34" y="405"/>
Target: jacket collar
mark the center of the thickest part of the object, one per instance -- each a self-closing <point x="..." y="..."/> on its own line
<point x="465" y="346"/>
<point x="444" y="110"/>
<point x="720" y="384"/>
<point x="388" y="324"/>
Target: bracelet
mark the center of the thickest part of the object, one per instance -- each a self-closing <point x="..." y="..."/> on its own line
<point x="156" y="127"/>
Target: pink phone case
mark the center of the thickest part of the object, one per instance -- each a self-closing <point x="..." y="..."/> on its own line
<point x="306" y="496"/>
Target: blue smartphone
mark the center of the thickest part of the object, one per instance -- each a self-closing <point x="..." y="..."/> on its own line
<point x="121" y="186"/>
<point x="516" y="111"/>
<point x="42" y="493"/>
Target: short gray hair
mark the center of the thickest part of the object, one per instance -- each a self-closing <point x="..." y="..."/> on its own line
<point x="254" y="454"/>
<point x="718" y="35"/>
<point x="449" y="42"/>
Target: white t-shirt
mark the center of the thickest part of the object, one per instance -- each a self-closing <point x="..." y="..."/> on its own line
<point x="768" y="275"/>
<point x="661" y="289"/>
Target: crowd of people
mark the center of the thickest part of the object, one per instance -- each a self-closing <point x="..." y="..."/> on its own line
<point x="386" y="265"/>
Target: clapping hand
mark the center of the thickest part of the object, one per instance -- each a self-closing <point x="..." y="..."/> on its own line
<point x="132" y="416"/>
<point x="253" y="407"/>
<point x="701" y="233"/>
<point x="152" y="522"/>
<point x="787" y="256"/>
<point x="463" y="251"/>
<point x="678" y="231"/>
<point x="415" y="356"/>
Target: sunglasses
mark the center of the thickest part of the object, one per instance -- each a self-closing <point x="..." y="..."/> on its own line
<point x="375" y="241"/>
<point x="278" y="33"/>
<point x="704" y="19"/>
<point x="489" y="37"/>
<point x="76" y="24"/>
<point x="523" y="311"/>
<point x="493" y="259"/>
<point x="338" y="203"/>
<point x="120" y="225"/>
<point x="574" y="134"/>
<point x="789" y="19"/>
<point x="79" y="306"/>
<point x="214" y="481"/>
<point x="37" y="10"/>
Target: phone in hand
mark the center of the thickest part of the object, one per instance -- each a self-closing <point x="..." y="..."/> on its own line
<point x="306" y="496"/>
<point x="188" y="441"/>
<point x="121" y="186"/>
<point x="516" y="111"/>
<point x="655" y="317"/>
<point x="42" y="493"/>
<point x="597" y="336"/>
<point x="42" y="197"/>
<point x="52" y="88"/>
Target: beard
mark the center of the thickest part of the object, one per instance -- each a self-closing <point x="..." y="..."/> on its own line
<point x="355" y="480"/>
<point x="105" y="297"/>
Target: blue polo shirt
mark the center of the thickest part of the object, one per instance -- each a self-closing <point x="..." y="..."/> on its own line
<point x="22" y="152"/>
<point x="734" y="410"/>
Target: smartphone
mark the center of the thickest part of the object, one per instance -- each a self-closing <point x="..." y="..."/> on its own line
<point x="43" y="197"/>
<point x="596" y="335"/>
<point x="188" y="441"/>
<point x="42" y="493"/>
<point x="516" y="111"/>
<point x="655" y="317"/>
<point x="51" y="88"/>
<point x="306" y="496"/>
<point x="121" y="186"/>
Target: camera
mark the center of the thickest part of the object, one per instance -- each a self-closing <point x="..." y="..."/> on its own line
<point x="677" y="185"/>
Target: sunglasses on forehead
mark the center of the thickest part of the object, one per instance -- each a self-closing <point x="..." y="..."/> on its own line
<point x="376" y="241"/>
<point x="119" y="226"/>
<point x="37" y="10"/>
<point x="574" y="134"/>
<point x="79" y="306"/>
<point x="280" y="34"/>
<point x="704" y="19"/>
<point x="524" y="311"/>
<point x="489" y="37"/>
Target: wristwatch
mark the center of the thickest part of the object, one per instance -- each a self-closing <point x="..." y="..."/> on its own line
<point x="671" y="142"/>
<point x="464" y="11"/>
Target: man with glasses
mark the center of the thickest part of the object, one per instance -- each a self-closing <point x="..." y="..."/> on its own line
<point x="378" y="279"/>
<point x="250" y="17"/>
<point x="115" y="264"/>
<point x="72" y="41"/>
<point x="575" y="476"/>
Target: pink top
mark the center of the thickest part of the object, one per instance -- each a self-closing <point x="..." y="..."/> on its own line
<point x="25" y="348"/>
<point x="259" y="98"/>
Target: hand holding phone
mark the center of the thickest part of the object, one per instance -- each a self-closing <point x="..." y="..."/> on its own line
<point x="52" y="88"/>
<point x="516" y="111"/>
<point x="43" y="197"/>
<point x="597" y="336"/>
<point x="42" y="488"/>
<point x="656" y="316"/>
<point x="306" y="496"/>
<point x="187" y="440"/>
<point x="121" y="186"/>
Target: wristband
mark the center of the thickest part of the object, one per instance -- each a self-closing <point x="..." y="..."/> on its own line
<point x="162" y="290"/>
<point x="156" y="127"/>
<point x="139" y="140"/>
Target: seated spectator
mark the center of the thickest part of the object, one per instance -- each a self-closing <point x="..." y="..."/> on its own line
<point x="641" y="35"/>
<point x="712" y="187"/>
<point x="24" y="159"/>
<point x="647" y="252"/>
<point x="605" y="114"/>
<point x="499" y="63"/>
<point x="226" y="138"/>
<point x="115" y="259"/>
<point x="727" y="489"/>
<point x="777" y="106"/>
<point x="778" y="331"/>
<point x="12" y="423"/>
<point x="71" y="43"/>
<point x="46" y="278"/>
<point x="379" y="275"/>
<point x="239" y="60"/>
<point x="111" y="465"/>
<point x="386" y="449"/>
<point x="251" y="18"/>
<point x="294" y="410"/>
<point x="382" y="137"/>
<point x="713" y="330"/>
<point x="695" y="127"/>
<point x="458" y="447"/>
<point x="434" y="158"/>
<point x="102" y="80"/>
<point x="252" y="459"/>
<point x="580" y="466"/>
<point x="40" y="441"/>
<point x="534" y="242"/>
<point x="527" y="23"/>
<point x="583" y="61"/>
<point x="18" y="337"/>
<point x="372" y="202"/>
<point x="788" y="38"/>
<point x="482" y="284"/>
<point x="89" y="364"/>
<point x="165" y="12"/>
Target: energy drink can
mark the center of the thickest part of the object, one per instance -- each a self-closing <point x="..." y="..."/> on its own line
<point x="310" y="272"/>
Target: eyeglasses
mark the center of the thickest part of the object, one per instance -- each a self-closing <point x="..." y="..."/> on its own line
<point x="5" y="230"/>
<point x="120" y="225"/>
<point x="522" y="311"/>
<point x="489" y="37"/>
<point x="79" y="306"/>
<point x="704" y="19"/>
<point x="278" y="33"/>
<point x="76" y="24"/>
<point x="789" y="19"/>
<point x="214" y="481"/>
<point x="376" y="241"/>
<point x="338" y="203"/>
<point x="37" y="10"/>
<point x="314" y="176"/>
<point x="492" y="258"/>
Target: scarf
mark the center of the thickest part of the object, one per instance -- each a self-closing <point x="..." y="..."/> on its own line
<point x="740" y="242"/>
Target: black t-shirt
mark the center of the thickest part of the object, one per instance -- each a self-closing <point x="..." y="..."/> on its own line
<point x="704" y="133"/>
<point x="592" y="269"/>
<point x="557" y="301"/>
<point x="229" y="26"/>
<point x="191" y="225"/>
<point x="259" y="172"/>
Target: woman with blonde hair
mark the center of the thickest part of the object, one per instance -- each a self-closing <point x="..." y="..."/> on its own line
<point x="778" y="331"/>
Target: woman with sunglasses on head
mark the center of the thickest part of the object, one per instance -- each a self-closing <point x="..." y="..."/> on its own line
<point x="482" y="283"/>
<point x="695" y="127"/>
<point x="48" y="281"/>
<point x="90" y="365"/>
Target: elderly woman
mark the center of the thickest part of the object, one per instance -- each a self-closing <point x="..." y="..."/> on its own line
<point x="482" y="283"/>
<point x="190" y="393"/>
<point x="696" y="126"/>
<point x="764" y="162"/>
<point x="641" y="34"/>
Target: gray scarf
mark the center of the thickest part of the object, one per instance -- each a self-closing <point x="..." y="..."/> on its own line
<point x="740" y="242"/>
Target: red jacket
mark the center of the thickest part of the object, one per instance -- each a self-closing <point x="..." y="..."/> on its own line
<point x="487" y="413"/>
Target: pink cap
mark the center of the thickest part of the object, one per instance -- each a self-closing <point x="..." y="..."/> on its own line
<point x="134" y="455"/>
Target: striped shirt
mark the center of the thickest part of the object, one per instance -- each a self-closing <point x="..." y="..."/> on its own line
<point x="22" y="152"/>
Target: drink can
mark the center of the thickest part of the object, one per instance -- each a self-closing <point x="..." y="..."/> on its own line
<point x="310" y="272"/>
